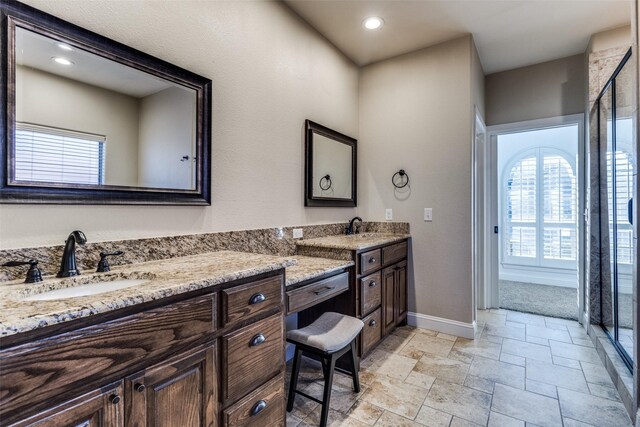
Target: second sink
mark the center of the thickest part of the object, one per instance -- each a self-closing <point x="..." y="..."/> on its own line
<point x="84" y="290"/>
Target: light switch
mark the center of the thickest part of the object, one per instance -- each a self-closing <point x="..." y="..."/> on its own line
<point x="297" y="233"/>
<point x="388" y="214"/>
<point x="428" y="214"/>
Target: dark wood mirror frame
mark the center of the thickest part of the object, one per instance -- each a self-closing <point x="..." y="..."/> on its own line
<point x="310" y="199"/>
<point x="14" y="14"/>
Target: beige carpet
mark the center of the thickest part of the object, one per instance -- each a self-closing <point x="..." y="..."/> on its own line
<point x="553" y="301"/>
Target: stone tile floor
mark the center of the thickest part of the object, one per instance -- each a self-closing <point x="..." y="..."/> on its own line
<point x="521" y="370"/>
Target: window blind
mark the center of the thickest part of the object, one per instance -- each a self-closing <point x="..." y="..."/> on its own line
<point x="547" y="182"/>
<point x="45" y="154"/>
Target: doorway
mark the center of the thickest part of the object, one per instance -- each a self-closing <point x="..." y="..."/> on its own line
<point x="537" y="198"/>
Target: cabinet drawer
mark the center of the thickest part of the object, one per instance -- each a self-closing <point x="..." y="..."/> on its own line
<point x="394" y="253"/>
<point x="243" y="301"/>
<point x="370" y="261"/>
<point x="372" y="331"/>
<point x="252" y="355"/>
<point x="44" y="372"/>
<point x="309" y="295"/>
<point x="370" y="292"/>
<point x="263" y="407"/>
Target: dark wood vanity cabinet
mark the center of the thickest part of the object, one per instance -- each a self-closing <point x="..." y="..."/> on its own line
<point x="382" y="278"/>
<point x="395" y="295"/>
<point x="178" y="392"/>
<point x="204" y="360"/>
<point x="98" y="408"/>
<point x="377" y="294"/>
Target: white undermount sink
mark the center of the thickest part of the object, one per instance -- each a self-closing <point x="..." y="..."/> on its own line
<point x="85" y="290"/>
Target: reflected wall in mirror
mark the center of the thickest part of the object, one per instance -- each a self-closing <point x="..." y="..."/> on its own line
<point x="330" y="167"/>
<point x="92" y="121"/>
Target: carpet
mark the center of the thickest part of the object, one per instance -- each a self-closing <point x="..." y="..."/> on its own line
<point x="553" y="301"/>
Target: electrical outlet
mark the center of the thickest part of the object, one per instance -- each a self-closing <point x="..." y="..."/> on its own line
<point x="280" y="233"/>
<point x="388" y="214"/>
<point x="297" y="233"/>
<point x="428" y="214"/>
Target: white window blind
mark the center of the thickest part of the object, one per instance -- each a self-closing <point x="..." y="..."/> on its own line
<point x="521" y="207"/>
<point x="44" y="154"/>
<point x="543" y="182"/>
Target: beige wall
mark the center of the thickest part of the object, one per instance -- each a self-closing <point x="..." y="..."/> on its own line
<point x="49" y="100"/>
<point x="270" y="72"/>
<point x="550" y="89"/>
<point x="415" y="114"/>
<point x="615" y="37"/>
<point x="167" y="133"/>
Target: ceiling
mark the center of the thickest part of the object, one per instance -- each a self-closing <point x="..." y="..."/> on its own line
<point x="36" y="51"/>
<point x="508" y="33"/>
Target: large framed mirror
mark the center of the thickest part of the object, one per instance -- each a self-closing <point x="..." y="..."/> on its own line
<point x="87" y="120"/>
<point x="330" y="167"/>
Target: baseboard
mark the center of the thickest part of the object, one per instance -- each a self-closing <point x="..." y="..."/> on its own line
<point x="447" y="326"/>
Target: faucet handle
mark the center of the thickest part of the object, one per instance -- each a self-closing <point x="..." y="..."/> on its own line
<point x="103" y="265"/>
<point x="34" y="274"/>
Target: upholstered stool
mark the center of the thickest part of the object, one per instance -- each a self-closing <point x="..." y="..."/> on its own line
<point x="329" y="337"/>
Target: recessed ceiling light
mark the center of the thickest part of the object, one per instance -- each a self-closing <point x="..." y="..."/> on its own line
<point x="61" y="61"/>
<point x="64" y="46"/>
<point x="372" y="23"/>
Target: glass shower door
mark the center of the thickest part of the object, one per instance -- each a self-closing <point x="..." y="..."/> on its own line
<point x="616" y="131"/>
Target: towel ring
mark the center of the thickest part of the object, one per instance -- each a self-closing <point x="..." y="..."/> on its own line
<point x="327" y="182"/>
<point x="403" y="181"/>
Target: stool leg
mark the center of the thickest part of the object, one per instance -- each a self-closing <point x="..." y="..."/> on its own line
<point x="354" y="370"/>
<point x="328" y="383"/>
<point x="293" y="383"/>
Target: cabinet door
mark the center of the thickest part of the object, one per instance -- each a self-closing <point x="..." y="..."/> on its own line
<point x="178" y="392"/>
<point x="401" y="292"/>
<point x="99" y="408"/>
<point x="388" y="299"/>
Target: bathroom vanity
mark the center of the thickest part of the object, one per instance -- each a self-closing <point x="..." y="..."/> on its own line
<point x="377" y="291"/>
<point x="200" y="344"/>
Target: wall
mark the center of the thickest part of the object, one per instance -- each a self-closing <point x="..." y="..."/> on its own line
<point x="415" y="114"/>
<point x="167" y="133"/>
<point x="613" y="38"/>
<point x="46" y="99"/>
<point x="270" y="72"/>
<point x="550" y="89"/>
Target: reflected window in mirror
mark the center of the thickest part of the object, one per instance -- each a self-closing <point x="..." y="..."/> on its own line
<point x="330" y="167"/>
<point x="99" y="120"/>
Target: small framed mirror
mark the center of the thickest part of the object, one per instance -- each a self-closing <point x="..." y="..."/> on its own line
<point x="330" y="167"/>
<point x="87" y="120"/>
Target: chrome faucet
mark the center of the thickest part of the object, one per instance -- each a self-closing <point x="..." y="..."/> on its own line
<point x="68" y="266"/>
<point x="350" y="229"/>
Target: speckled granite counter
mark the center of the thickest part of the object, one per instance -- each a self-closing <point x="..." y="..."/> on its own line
<point x="309" y="268"/>
<point x="353" y="242"/>
<point x="166" y="278"/>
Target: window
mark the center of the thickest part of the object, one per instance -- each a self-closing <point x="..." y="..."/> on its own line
<point x="540" y="210"/>
<point x="45" y="154"/>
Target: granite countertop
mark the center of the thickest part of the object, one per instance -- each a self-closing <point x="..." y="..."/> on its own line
<point x="166" y="278"/>
<point x="353" y="242"/>
<point x="311" y="267"/>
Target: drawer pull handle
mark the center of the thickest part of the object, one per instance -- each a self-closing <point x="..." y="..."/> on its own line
<point x="257" y="340"/>
<point x="139" y="387"/>
<point x="115" y="399"/>
<point x="372" y="260"/>
<point x="324" y="290"/>
<point x="372" y="323"/>
<point x="258" y="407"/>
<point x="372" y="284"/>
<point x="257" y="299"/>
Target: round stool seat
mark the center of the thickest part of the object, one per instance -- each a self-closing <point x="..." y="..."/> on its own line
<point x="330" y="332"/>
